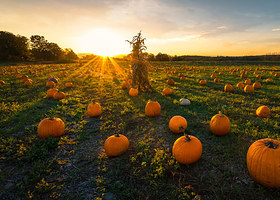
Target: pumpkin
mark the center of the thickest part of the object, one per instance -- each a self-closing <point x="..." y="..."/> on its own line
<point x="187" y="149"/>
<point x="184" y="101"/>
<point x="59" y="95"/>
<point x="116" y="145"/>
<point x="213" y="75"/>
<point x="50" y="84"/>
<point x="240" y="85"/>
<point x="125" y="85"/>
<point x="167" y="91"/>
<point x="263" y="162"/>
<point x="28" y="82"/>
<point x="51" y="127"/>
<point x="69" y="85"/>
<point x="2" y="82"/>
<point x="182" y="78"/>
<point x="221" y="73"/>
<point x="247" y="82"/>
<point x="263" y="111"/>
<point x="228" y="88"/>
<point x="243" y="75"/>
<point x="178" y="124"/>
<point x="170" y="82"/>
<point x="257" y="85"/>
<point x="216" y="80"/>
<point x="152" y="109"/>
<point x="133" y="92"/>
<point x="269" y="80"/>
<point x="202" y="82"/>
<point x="51" y="92"/>
<point x="219" y="124"/>
<point x="94" y="109"/>
<point x="249" y="88"/>
<point x="259" y="76"/>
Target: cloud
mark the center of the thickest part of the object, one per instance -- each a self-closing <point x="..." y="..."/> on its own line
<point x="276" y="29"/>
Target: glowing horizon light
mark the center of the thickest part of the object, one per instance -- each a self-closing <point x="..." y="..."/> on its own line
<point x="102" y="42"/>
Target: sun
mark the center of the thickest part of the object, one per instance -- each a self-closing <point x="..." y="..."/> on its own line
<point x="101" y="41"/>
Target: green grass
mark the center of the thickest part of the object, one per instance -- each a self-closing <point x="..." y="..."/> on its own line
<point x="58" y="168"/>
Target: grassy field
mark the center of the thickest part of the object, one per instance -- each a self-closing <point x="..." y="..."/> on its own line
<point x="75" y="166"/>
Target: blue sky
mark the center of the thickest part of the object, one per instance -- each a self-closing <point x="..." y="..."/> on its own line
<point x="200" y="27"/>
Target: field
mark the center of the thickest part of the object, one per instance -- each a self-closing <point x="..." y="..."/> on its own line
<point x="75" y="166"/>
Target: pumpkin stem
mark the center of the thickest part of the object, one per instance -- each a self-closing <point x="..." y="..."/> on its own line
<point x="187" y="136"/>
<point x="220" y="113"/>
<point x="52" y="118"/>
<point x="271" y="145"/>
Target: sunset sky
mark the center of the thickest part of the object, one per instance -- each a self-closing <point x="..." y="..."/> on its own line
<point x="181" y="27"/>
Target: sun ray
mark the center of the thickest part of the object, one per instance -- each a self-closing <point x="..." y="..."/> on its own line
<point x="117" y="68"/>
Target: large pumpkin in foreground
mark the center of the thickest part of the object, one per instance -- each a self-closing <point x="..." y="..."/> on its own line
<point x="187" y="149"/>
<point x="116" y="145"/>
<point x="219" y="124"/>
<point x="263" y="162"/>
<point x="51" y="127"/>
<point x="177" y="124"/>
<point x="152" y="109"/>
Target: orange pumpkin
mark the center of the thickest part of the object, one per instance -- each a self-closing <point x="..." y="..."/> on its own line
<point x="249" y="88"/>
<point x="50" y="84"/>
<point x="69" y="85"/>
<point x="51" y="127"/>
<point x="28" y="82"/>
<point x="257" y="85"/>
<point x="219" y="124"/>
<point x="51" y="92"/>
<point x="167" y="91"/>
<point x="2" y="82"/>
<point x="213" y="75"/>
<point x="228" y="88"/>
<point x="247" y="82"/>
<point x="178" y="124"/>
<point x="116" y="145"/>
<point x="170" y="82"/>
<point x="187" y="149"/>
<point x="240" y="85"/>
<point x="152" y="109"/>
<point x="263" y="162"/>
<point x="59" y="95"/>
<point x="216" y="80"/>
<point x="94" y="109"/>
<point x="263" y="111"/>
<point x="182" y="78"/>
<point x="202" y="82"/>
<point x="133" y="92"/>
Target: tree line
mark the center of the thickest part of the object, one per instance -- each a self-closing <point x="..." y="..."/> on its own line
<point x="37" y="48"/>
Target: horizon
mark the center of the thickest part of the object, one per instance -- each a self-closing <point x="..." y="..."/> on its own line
<point x="216" y="28"/>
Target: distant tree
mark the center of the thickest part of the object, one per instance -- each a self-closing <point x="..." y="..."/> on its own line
<point x="70" y="54"/>
<point x="151" y="57"/>
<point x="139" y="64"/>
<point x="13" y="47"/>
<point x="162" y="57"/>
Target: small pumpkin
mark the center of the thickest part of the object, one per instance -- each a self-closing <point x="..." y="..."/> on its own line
<point x="263" y="111"/>
<point x="216" y="80"/>
<point x="50" y="84"/>
<point x="240" y="85"/>
<point x="184" y="101"/>
<point x="133" y="92"/>
<point x="51" y="92"/>
<point x="167" y="91"/>
<point x="116" y="145"/>
<point x="213" y="75"/>
<point x="94" y="109"/>
<point x="220" y="124"/>
<point x="170" y="82"/>
<point x="178" y="124"/>
<point x="152" y="109"/>
<point x="2" y="82"/>
<point x="247" y="82"/>
<point x="69" y="85"/>
<point x="51" y="127"/>
<point x="248" y="88"/>
<point x="263" y="162"/>
<point x="182" y="78"/>
<point x="59" y="95"/>
<point x="28" y="82"/>
<point x="187" y="149"/>
<point x="202" y="82"/>
<point x="257" y="85"/>
<point x="228" y="88"/>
